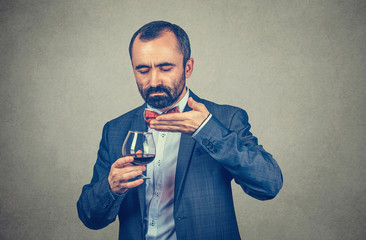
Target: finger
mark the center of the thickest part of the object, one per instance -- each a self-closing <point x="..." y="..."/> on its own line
<point x="170" y="128"/>
<point x="123" y="162"/>
<point x="119" y="176"/>
<point x="172" y="116"/>
<point x="166" y="122"/>
<point x="139" y="153"/>
<point x="132" y="184"/>
<point x="196" y="105"/>
<point x="176" y="126"/>
<point x="131" y="168"/>
<point x="130" y="175"/>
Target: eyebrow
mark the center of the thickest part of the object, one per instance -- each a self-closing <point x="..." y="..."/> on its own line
<point x="164" y="64"/>
<point x="141" y="66"/>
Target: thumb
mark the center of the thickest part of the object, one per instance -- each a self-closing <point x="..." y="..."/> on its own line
<point x="196" y="105"/>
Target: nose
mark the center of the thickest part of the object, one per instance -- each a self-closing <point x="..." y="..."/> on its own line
<point x="155" y="78"/>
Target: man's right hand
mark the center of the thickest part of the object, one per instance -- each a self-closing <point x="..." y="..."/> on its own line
<point x="121" y="171"/>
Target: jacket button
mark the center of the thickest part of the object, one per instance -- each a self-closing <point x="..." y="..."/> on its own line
<point x="205" y="142"/>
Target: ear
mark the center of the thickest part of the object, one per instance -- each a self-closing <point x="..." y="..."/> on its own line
<point x="189" y="68"/>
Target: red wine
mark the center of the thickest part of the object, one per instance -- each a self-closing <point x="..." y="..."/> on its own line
<point x="142" y="159"/>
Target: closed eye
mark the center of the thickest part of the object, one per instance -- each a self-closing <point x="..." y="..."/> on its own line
<point x="166" y="68"/>
<point x="143" y="71"/>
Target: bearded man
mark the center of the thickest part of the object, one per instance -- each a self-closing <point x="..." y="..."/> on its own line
<point x="200" y="148"/>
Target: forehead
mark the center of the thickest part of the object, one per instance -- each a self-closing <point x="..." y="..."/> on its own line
<point x="163" y="48"/>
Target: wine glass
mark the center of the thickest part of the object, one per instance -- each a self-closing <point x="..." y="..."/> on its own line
<point x="141" y="146"/>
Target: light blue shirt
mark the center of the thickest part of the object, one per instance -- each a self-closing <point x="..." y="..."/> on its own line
<point x="160" y="187"/>
<point x="159" y="217"/>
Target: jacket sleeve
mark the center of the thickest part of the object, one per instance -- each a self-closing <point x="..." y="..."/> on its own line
<point x="238" y="151"/>
<point x="98" y="206"/>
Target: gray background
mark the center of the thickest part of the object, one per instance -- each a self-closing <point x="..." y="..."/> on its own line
<point x="297" y="67"/>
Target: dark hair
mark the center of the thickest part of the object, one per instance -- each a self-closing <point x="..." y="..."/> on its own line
<point x="154" y="29"/>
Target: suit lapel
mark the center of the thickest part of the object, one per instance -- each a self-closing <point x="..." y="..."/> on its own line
<point x="186" y="147"/>
<point x="139" y="124"/>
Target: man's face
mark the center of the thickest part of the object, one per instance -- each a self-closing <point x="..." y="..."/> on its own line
<point x="159" y="72"/>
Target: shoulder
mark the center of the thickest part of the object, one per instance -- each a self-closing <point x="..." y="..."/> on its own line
<point x="221" y="109"/>
<point x="126" y="118"/>
<point x="225" y="113"/>
<point x="224" y="108"/>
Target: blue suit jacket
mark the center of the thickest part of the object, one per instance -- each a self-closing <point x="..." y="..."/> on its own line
<point x="223" y="150"/>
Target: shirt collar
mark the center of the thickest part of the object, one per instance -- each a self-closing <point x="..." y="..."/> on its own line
<point x="181" y="104"/>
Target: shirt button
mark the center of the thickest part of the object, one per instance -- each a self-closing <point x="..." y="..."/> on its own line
<point x="163" y="135"/>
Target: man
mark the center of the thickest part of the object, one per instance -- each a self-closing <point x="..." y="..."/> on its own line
<point x="200" y="147"/>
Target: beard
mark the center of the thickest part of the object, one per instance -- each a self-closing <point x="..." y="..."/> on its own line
<point x="163" y="101"/>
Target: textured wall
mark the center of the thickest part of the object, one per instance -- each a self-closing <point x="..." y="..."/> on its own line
<point x="297" y="67"/>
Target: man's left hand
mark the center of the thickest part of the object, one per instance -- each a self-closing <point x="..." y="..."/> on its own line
<point x="186" y="122"/>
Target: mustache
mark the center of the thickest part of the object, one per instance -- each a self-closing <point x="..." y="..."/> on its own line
<point x="159" y="88"/>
